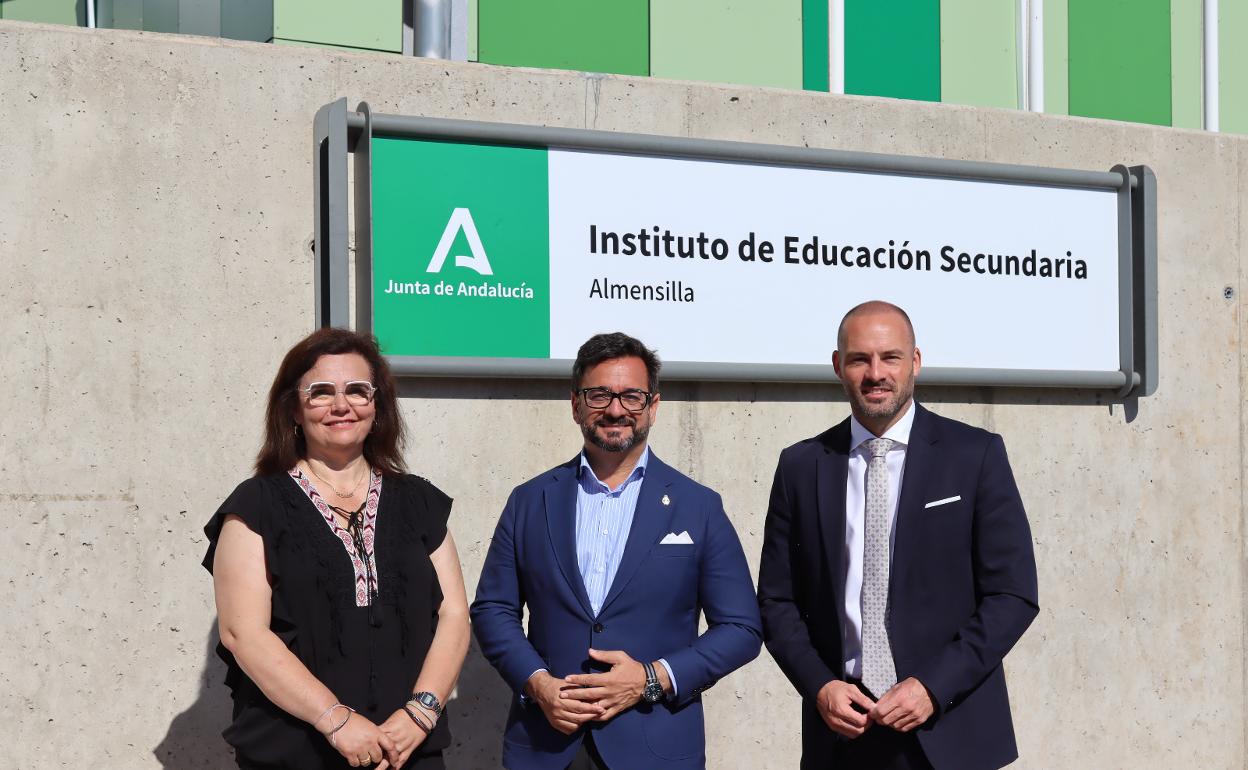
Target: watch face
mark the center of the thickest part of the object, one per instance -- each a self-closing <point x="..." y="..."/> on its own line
<point x="429" y="701"/>
<point x="653" y="692"/>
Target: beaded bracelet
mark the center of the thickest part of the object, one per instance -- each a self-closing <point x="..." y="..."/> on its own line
<point x="419" y="722"/>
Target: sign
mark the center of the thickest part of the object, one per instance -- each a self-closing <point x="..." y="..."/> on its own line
<point x="496" y="250"/>
<point x="520" y="252"/>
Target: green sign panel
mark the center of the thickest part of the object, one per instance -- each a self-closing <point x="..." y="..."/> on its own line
<point x="461" y="249"/>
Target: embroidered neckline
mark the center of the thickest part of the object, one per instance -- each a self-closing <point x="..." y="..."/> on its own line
<point x="362" y="574"/>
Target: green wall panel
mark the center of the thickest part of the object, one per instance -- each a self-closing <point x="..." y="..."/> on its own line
<point x="979" y="53"/>
<point x="728" y="41"/>
<point x="1186" y="31"/>
<point x="1120" y="60"/>
<point x="472" y="30"/>
<point x="893" y="48"/>
<point x="161" y="15"/>
<point x="1056" y="58"/>
<point x="1233" y="66"/>
<point x="815" y="45"/>
<point x="566" y="34"/>
<point x="373" y="24"/>
<point x="331" y="46"/>
<point x="45" y="11"/>
<point x="120" y="14"/>
<point x="247" y="20"/>
<point x="200" y="17"/>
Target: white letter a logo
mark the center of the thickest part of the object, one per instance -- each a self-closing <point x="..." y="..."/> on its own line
<point x="461" y="219"/>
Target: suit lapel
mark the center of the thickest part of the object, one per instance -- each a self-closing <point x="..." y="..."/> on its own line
<point x="920" y="462"/>
<point x="831" y="471"/>
<point x="650" y="522"/>
<point x="560" y="500"/>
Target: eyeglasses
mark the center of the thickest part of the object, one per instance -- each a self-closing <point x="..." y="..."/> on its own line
<point x="600" y="398"/>
<point x="356" y="392"/>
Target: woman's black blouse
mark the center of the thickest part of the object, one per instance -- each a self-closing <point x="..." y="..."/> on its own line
<point x="369" y="657"/>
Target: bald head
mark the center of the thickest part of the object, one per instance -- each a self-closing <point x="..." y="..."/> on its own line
<point x="873" y="307"/>
<point x="877" y="362"/>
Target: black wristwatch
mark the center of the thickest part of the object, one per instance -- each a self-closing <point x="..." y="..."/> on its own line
<point x="653" y="691"/>
<point x="428" y="700"/>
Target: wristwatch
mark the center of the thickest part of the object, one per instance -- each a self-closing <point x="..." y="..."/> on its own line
<point x="427" y="700"/>
<point x="653" y="691"/>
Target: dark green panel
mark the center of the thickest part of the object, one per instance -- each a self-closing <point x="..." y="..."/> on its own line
<point x="160" y="15"/>
<point x="893" y="48"/>
<point x="120" y="14"/>
<point x="1120" y="60"/>
<point x="566" y="34"/>
<point x="815" y="45"/>
<point x="199" y="17"/>
<point x="247" y="20"/>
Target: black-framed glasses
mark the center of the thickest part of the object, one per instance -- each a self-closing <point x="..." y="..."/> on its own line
<point x="356" y="392"/>
<point x="633" y="400"/>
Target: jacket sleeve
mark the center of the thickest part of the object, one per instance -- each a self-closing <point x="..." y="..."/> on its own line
<point x="1005" y="584"/>
<point x="499" y="606"/>
<point x="726" y="592"/>
<point x="784" y="620"/>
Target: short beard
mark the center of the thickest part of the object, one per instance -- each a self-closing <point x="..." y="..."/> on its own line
<point x="887" y="411"/>
<point x="622" y="444"/>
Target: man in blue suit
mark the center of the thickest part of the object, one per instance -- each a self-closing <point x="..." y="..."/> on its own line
<point x="897" y="571"/>
<point x="615" y="555"/>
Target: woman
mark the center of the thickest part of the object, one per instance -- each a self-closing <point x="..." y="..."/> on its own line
<point x="340" y="600"/>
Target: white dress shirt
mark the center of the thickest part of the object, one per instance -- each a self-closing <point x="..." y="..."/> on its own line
<point x="855" y="510"/>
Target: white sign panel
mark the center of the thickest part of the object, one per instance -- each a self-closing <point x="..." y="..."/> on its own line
<point x="711" y="261"/>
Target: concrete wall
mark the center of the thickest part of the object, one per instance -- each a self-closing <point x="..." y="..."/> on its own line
<point x="155" y="219"/>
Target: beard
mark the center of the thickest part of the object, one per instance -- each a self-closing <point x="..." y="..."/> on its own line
<point x="621" y="443"/>
<point x="901" y="394"/>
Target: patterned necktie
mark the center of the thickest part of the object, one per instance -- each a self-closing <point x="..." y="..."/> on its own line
<point x="878" y="673"/>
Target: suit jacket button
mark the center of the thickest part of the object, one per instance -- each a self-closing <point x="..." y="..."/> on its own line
<point x="598" y="628"/>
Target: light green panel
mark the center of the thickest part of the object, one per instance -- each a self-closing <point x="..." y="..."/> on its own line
<point x="282" y="41"/>
<point x="728" y="41"/>
<point x="1185" y="62"/>
<point x="473" y="12"/>
<point x="1120" y="60"/>
<point x="373" y="24"/>
<point x="1233" y="66"/>
<point x="44" y="11"/>
<point x="598" y="36"/>
<point x="1056" y="58"/>
<point x="979" y="53"/>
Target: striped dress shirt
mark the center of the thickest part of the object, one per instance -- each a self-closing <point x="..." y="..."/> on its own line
<point x="604" y="517"/>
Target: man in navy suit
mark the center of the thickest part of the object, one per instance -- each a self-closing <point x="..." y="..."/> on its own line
<point x="615" y="555"/>
<point x="897" y="571"/>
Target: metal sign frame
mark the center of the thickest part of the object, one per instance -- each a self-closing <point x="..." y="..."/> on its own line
<point x="339" y="132"/>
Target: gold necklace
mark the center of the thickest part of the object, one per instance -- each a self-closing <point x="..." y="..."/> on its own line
<point x="334" y="489"/>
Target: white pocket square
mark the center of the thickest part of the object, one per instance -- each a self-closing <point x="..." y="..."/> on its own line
<point x="943" y="501"/>
<point x="671" y="538"/>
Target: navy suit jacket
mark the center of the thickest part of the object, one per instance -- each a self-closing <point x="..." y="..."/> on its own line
<point x="962" y="586"/>
<point x="650" y="612"/>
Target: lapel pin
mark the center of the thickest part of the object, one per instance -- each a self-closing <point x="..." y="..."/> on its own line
<point x="666" y="500"/>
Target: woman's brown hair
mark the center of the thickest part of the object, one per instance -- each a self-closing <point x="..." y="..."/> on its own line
<point x="283" y="447"/>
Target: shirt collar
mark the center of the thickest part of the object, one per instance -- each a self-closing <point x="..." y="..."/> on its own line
<point x="639" y="471"/>
<point x="900" y="432"/>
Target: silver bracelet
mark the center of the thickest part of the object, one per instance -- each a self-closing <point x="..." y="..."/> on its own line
<point x="326" y="713"/>
<point x="333" y="734"/>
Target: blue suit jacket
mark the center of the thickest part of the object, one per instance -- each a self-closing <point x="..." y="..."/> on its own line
<point x="962" y="588"/>
<point x="650" y="612"/>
